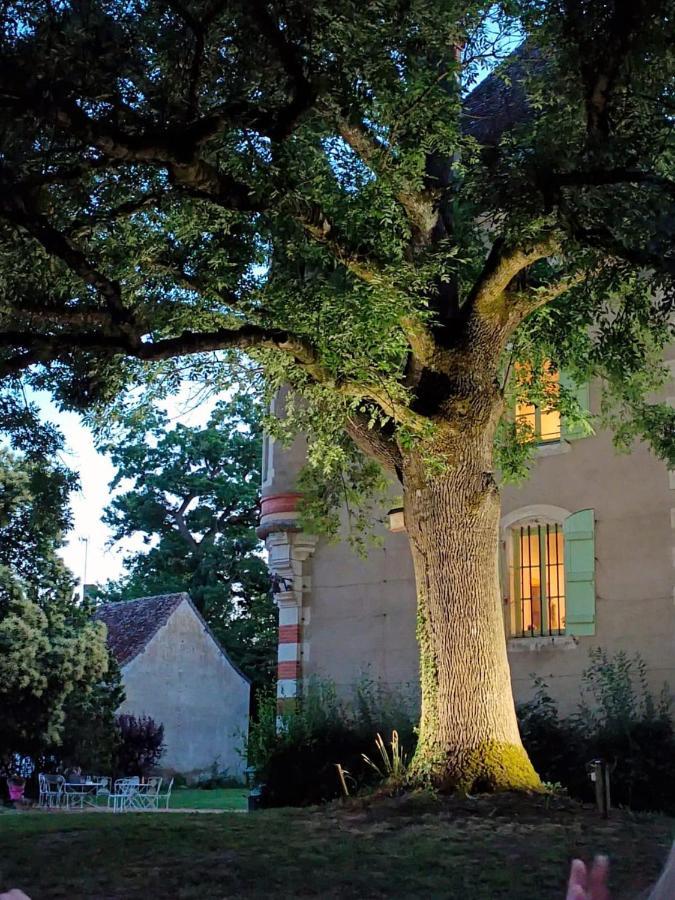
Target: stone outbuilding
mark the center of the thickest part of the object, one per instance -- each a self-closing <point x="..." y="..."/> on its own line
<point x="174" y="670"/>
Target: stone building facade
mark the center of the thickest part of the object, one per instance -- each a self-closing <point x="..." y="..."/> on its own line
<point x="175" y="671"/>
<point x="588" y="556"/>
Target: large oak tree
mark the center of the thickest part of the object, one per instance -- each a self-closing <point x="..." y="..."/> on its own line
<point x="193" y="494"/>
<point x="316" y="184"/>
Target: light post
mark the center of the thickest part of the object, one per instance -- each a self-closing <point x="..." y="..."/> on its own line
<point x="85" y="541"/>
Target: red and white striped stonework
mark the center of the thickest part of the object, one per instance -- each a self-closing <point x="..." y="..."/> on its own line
<point x="278" y="513"/>
<point x="289" y="551"/>
<point x="289" y="654"/>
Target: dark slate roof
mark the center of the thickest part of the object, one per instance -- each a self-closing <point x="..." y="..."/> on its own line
<point x="132" y="624"/>
<point x="499" y="102"/>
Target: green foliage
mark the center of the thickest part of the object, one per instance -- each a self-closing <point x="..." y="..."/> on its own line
<point x="90" y="737"/>
<point x="34" y="516"/>
<point x="193" y="493"/>
<point x="140" y="744"/>
<point x="218" y="779"/>
<point x="295" y="754"/>
<point x="514" y="450"/>
<point x="313" y="184"/>
<point x="322" y="187"/>
<point x="619" y="720"/>
<point x="353" y="486"/>
<point x="59" y="687"/>
<point x="45" y="657"/>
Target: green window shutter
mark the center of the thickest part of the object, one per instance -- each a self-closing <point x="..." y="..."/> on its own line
<point x="579" y="534"/>
<point x="581" y="392"/>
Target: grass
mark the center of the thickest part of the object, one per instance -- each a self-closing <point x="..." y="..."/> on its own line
<point x="484" y="849"/>
<point x="220" y="798"/>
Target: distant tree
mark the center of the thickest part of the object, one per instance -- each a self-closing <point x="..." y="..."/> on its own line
<point x="59" y="687"/>
<point x="194" y="496"/>
<point x="90" y="737"/>
<point x="34" y="517"/>
<point x="45" y="658"/>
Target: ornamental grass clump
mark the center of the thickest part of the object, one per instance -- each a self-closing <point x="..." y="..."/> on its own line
<point x="393" y="768"/>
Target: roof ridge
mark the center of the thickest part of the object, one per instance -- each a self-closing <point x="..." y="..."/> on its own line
<point x="132" y="624"/>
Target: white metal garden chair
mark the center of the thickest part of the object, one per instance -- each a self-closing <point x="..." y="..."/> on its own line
<point x="51" y="790"/>
<point x="102" y="783"/>
<point x="165" y="797"/>
<point x="146" y="795"/>
<point x="124" y="790"/>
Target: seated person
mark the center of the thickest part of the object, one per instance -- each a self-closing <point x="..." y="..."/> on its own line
<point x="74" y="775"/>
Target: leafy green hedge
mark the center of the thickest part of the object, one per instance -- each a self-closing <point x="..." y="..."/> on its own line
<point x="619" y="720"/>
<point x="297" y="761"/>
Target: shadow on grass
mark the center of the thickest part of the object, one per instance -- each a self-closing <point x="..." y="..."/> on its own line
<point x="483" y="849"/>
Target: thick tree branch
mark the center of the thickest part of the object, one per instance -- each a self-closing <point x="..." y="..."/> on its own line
<point x="108" y="216"/>
<point x="199" y="28"/>
<point x="44" y="348"/>
<point x="602" y="239"/>
<point x="375" y="442"/>
<point x="604" y="46"/>
<point x="61" y="247"/>
<point x="421" y="340"/>
<point x="178" y="516"/>
<point x="526" y="302"/>
<point x="501" y="267"/>
<point x="303" y="93"/>
<point x="418" y="206"/>
<point x="63" y="315"/>
<point x="319" y="227"/>
<point x="604" y="177"/>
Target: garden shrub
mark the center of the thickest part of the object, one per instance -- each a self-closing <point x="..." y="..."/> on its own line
<point x="90" y="734"/>
<point x="296" y="761"/>
<point x="552" y="742"/>
<point x="141" y="744"/>
<point x="218" y="778"/>
<point x="620" y="721"/>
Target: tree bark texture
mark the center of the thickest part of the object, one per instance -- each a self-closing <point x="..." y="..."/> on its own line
<point x="469" y="737"/>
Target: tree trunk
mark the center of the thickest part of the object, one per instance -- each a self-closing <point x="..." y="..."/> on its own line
<point x="469" y="737"/>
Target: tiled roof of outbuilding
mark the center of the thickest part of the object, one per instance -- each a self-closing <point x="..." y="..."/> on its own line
<point x="132" y="624"/>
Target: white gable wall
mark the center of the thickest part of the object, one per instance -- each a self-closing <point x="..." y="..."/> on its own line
<point x="184" y="682"/>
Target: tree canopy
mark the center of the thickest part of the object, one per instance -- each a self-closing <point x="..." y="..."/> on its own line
<point x="192" y="492"/>
<point x="34" y="516"/>
<point x="314" y="185"/>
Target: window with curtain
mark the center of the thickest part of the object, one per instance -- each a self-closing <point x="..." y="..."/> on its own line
<point x="537" y="580"/>
<point x="541" y="421"/>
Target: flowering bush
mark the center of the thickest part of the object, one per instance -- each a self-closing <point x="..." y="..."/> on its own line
<point x="141" y="744"/>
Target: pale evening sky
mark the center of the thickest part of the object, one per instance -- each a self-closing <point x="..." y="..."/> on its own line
<point x="96" y="471"/>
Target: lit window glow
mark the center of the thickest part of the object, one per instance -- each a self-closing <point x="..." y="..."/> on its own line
<point x="537" y="581"/>
<point x="539" y="423"/>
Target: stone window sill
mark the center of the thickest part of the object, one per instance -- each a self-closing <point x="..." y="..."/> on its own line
<point x="553" y="448"/>
<point x="535" y="644"/>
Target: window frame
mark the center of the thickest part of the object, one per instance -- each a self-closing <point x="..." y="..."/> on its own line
<point x="538" y="514"/>
<point x="516" y="600"/>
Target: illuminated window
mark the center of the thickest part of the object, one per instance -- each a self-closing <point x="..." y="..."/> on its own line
<point x="540" y="423"/>
<point x="537" y="580"/>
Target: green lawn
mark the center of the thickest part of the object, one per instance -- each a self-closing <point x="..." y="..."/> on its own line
<point x="481" y="850"/>
<point x="222" y="798"/>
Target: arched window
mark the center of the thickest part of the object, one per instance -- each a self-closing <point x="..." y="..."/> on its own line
<point x="548" y="571"/>
<point x="534" y="547"/>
